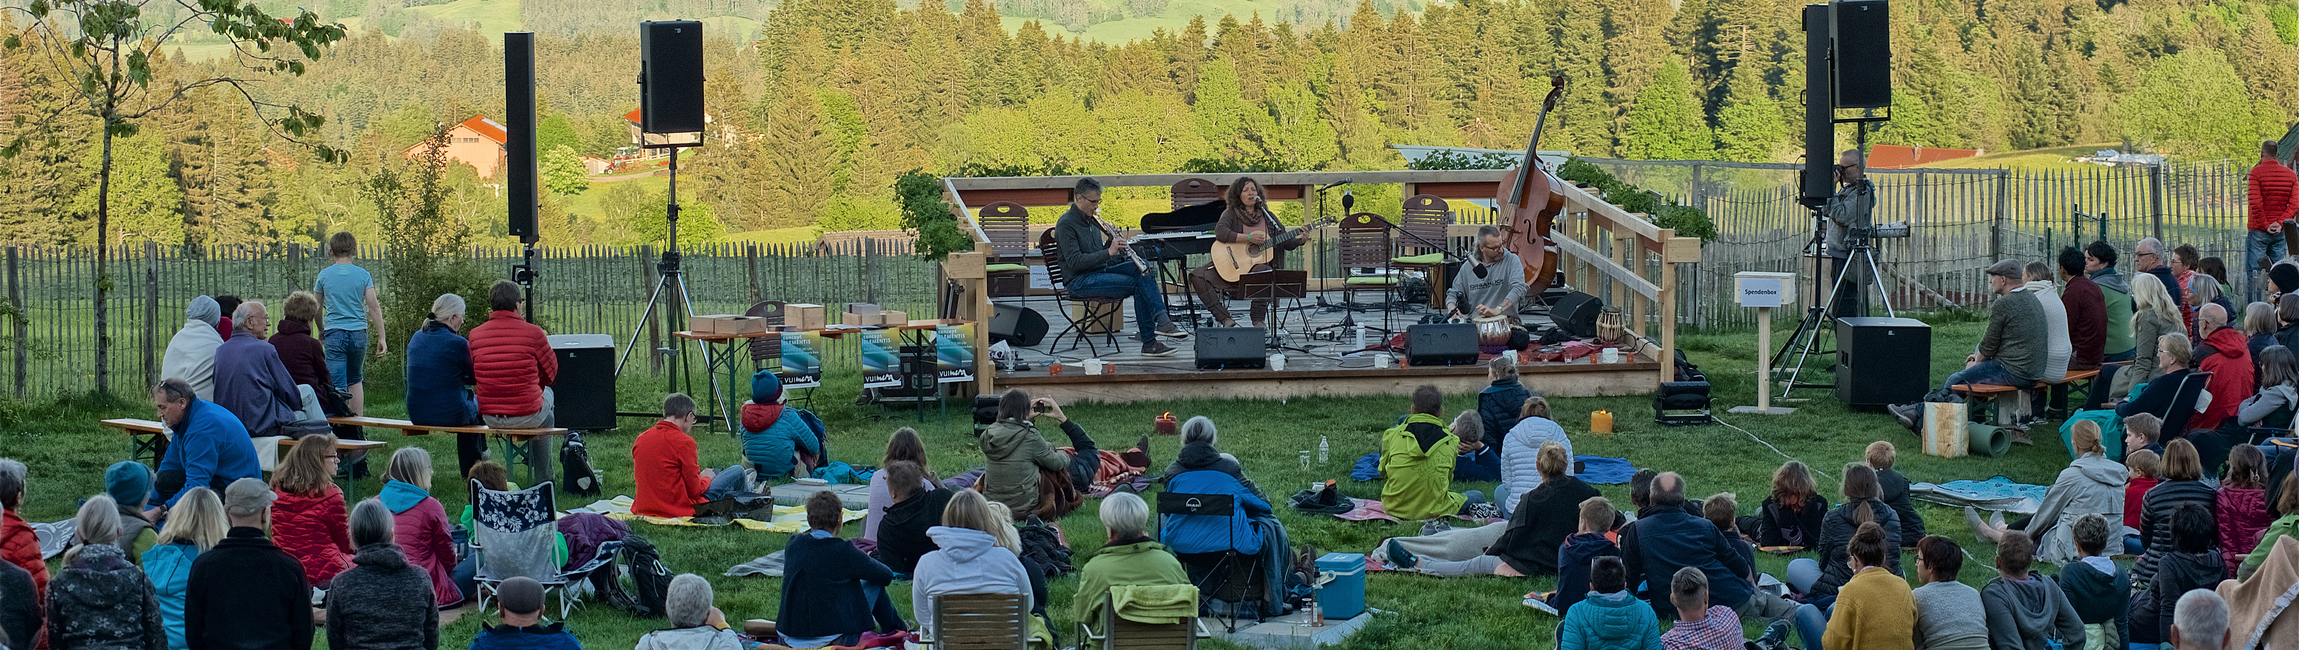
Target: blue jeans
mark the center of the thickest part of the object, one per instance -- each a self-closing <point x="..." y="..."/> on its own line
<point x="346" y="357"/>
<point x="729" y="482"/>
<point x="1988" y="371"/>
<point x="1123" y="280"/>
<point x="2259" y="245"/>
<point x="1811" y="622"/>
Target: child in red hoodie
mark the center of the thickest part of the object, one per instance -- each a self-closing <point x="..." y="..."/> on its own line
<point x="2146" y="471"/>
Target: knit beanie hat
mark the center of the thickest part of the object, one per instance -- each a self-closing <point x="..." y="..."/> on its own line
<point x="128" y="483"/>
<point x="2285" y="276"/>
<point x="765" y="388"/>
<point x="205" y="310"/>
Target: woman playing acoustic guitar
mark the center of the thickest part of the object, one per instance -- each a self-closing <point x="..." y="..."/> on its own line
<point x="1248" y="220"/>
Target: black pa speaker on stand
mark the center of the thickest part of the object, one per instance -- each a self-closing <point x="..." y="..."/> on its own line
<point x="1861" y="31"/>
<point x="1576" y="314"/>
<point x="670" y="76"/>
<point x="519" y="133"/>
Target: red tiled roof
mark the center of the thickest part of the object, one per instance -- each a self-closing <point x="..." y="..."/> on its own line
<point x="1892" y="156"/>
<point x="487" y="128"/>
<point x="633" y="116"/>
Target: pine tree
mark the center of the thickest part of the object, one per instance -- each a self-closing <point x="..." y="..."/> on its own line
<point x="1665" y="124"/>
<point x="1229" y="123"/>
<point x="1635" y="41"/>
<point x="1749" y="128"/>
<point x="798" y="138"/>
<point x="146" y="204"/>
<point x="1583" y="116"/>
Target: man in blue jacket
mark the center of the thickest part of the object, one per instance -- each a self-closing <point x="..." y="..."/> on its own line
<point x="1667" y="539"/>
<point x="209" y="447"/>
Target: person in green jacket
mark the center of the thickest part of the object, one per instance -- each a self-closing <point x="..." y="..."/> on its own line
<point x="1018" y="453"/>
<point x="1130" y="558"/>
<point x="1417" y="462"/>
<point x="2287" y="525"/>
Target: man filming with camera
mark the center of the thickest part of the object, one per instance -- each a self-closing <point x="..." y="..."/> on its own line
<point x="1848" y="210"/>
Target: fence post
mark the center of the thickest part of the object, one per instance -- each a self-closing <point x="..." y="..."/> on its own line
<point x="1699" y="193"/>
<point x="2155" y="199"/>
<point x="21" y="322"/>
<point x="751" y="251"/>
<point x="151" y="306"/>
<point x="1997" y="232"/>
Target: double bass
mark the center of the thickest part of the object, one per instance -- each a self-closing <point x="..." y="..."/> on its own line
<point x="1529" y="204"/>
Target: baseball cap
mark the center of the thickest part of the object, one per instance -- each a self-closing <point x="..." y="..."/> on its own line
<point x="246" y="497"/>
<point x="520" y="595"/>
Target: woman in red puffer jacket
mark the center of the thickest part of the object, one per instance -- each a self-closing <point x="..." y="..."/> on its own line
<point x="308" y="521"/>
<point x="2242" y="508"/>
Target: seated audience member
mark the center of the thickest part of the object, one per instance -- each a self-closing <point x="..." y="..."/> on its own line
<point x="1417" y="462"/>
<point x="671" y="479"/>
<point x="1521" y="449"/>
<point x="2013" y="352"/>
<point x="696" y="624"/>
<point x="904" y="445"/>
<point x="1130" y="558"/>
<point x="2259" y="325"/>
<point x="1610" y="617"/>
<point x="1025" y="472"/>
<point x="21" y="612"/>
<point x="420" y="523"/>
<point x="2142" y="432"/>
<point x="830" y="590"/>
<point x="1892" y="488"/>
<point x="2260" y="612"/>
<point x="226" y="305"/>
<point x="2086" y="307"/>
<point x="382" y="602"/>
<point x="100" y="601"/>
<point x="130" y="485"/>
<point x="2154" y="314"/>
<point x="1201" y="542"/>
<point x="520" y="602"/>
<point x="307" y="520"/>
<point x="2182" y="484"/>
<point x="1640" y="495"/>
<point x="2058" y="350"/>
<point x="1501" y="404"/>
<point x="2286" y="524"/>
<point x="2090" y="485"/>
<point x="2224" y="354"/>
<point x="1578" y="551"/>
<point x="1792" y="515"/>
<point x="492" y="477"/>
<point x="210" y="447"/>
<point x="918" y="505"/>
<point x="1719" y="509"/>
<point x="299" y="350"/>
<point x="191" y="354"/>
<point x="2099" y="590"/>
<point x="512" y="361"/>
<point x="2241" y="513"/>
<point x="1949" y="615"/>
<point x="2190" y="564"/>
<point x="1530" y="543"/>
<point x="2204" y="295"/>
<point x="775" y="438"/>
<point x="2287" y="311"/>
<point x="1656" y="546"/>
<point x="970" y="561"/>
<point x="1478" y="462"/>
<point x="194" y="525"/>
<point x="2278" y="395"/>
<point x="2026" y="610"/>
<point x="440" y="377"/>
<point x="1875" y="609"/>
<point x="1010" y="538"/>
<point x="2172" y="355"/>
<point x="252" y="383"/>
<point x="1860" y="506"/>
<point x="245" y="592"/>
<point x="1699" y="625"/>
<point x="2201" y="622"/>
<point x="1200" y="449"/>
<point x="18" y="543"/>
<point x="2146" y="473"/>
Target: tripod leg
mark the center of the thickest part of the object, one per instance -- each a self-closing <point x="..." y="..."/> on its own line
<point x="644" y="316"/>
<point x="717" y="393"/>
<point x="1876" y="274"/>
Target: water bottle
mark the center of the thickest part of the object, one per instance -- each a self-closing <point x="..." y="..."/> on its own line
<point x="1360" y="338"/>
<point x="1323" y="449"/>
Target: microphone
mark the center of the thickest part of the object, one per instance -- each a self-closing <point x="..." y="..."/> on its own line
<point x="1338" y="183"/>
<point x="1348" y="199"/>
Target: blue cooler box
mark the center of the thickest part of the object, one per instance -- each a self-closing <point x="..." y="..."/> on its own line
<point x="1344" y="597"/>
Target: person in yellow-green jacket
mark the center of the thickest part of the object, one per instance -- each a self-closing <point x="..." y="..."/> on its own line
<point x="1417" y="462"/>
<point x="1130" y="558"/>
<point x="2287" y="501"/>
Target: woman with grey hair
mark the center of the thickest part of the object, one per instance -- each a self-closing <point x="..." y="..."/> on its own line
<point x="1199" y="451"/>
<point x="439" y="378"/>
<point x="101" y="601"/>
<point x="1130" y="558"/>
<point x="380" y="601"/>
<point x="695" y="624"/>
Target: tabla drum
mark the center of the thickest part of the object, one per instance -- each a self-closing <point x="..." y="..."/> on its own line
<point x="1492" y="334"/>
<point x="1612" y="325"/>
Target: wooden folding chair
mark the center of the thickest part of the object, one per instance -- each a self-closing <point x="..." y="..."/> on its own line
<point x="1097" y="310"/>
<point x="1119" y="633"/>
<point x="1007" y="225"/>
<point x="979" y="622"/>
<point x="1421" y="242"/>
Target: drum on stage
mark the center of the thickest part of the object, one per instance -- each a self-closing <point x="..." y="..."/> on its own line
<point x="1612" y="326"/>
<point x="1492" y="334"/>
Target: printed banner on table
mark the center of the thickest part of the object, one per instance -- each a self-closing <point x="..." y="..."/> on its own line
<point x="881" y="366"/>
<point x="801" y="359"/>
<point x="953" y="353"/>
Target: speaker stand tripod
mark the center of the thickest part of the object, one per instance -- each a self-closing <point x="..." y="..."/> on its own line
<point x="673" y="278"/>
<point x="1817" y="317"/>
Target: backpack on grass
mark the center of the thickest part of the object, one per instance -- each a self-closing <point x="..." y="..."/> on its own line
<point x="576" y="474"/>
<point x="650" y="580"/>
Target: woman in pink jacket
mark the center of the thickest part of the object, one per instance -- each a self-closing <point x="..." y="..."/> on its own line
<point x="421" y="523"/>
<point x="308" y="520"/>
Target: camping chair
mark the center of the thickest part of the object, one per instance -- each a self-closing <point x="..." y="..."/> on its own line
<point x="2184" y="405"/>
<point x="979" y="622"/>
<point x="1195" y="191"/>
<point x="1422" y="227"/>
<point x="1097" y="311"/>
<point x="1234" y="577"/>
<point x="1364" y="243"/>
<point x="1007" y="225"/>
<point x="1122" y="633"/>
<point x="514" y="537"/>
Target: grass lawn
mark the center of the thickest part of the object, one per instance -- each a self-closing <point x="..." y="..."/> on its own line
<point x="67" y="453"/>
<point x="2051" y="159"/>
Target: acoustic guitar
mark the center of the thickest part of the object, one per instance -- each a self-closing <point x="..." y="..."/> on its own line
<point x="1232" y="260"/>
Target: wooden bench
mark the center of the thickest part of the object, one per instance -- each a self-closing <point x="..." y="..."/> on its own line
<point x="150" y="436"/>
<point x="2000" y="392"/>
<point x="520" y="446"/>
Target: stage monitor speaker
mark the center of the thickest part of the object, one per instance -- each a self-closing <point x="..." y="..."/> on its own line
<point x="1443" y="344"/>
<point x="1881" y="361"/>
<point x="1021" y="326"/>
<point x="1861" y="31"/>
<point x="1819" y="177"/>
<point x="1231" y="347"/>
<point x="519" y="133"/>
<point x="585" y="390"/>
<point x="670" y="76"/>
<point x="1576" y="314"/>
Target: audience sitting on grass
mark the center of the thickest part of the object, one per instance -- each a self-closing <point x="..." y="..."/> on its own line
<point x="2189" y="564"/>
<point x="1792" y="515"/>
<point x="903" y="445"/>
<point x="1478" y="462"/>
<point x="2146" y="473"/>
<point x="666" y="467"/>
<point x="194" y="525"/>
<point x="130" y="485"/>
<point x="970" y="559"/>
<point x="520" y="601"/>
<point x="2241" y="513"/>
<point x="2027" y="610"/>
<point x="420" y="523"/>
<point x="2259" y="325"/>
<point x="2286" y="524"/>
<point x="2143" y="432"/>
<point x="382" y="602"/>
<point x="439" y="378"/>
<point x="99" y="600"/>
<point x="1521" y="449"/>
<point x="2223" y="353"/>
<point x="1656" y="546"/>
<point x="1699" y="625"/>
<point x="2271" y="408"/>
<point x="512" y="361"/>
<point x="2155" y="314"/>
<point x="1875" y="609"/>
<point x="1892" y="488"/>
<point x="696" y="624"/>
<point x="492" y="477"/>
<point x="776" y="439"/>
<point x="1595" y="516"/>
<point x="1501" y="404"/>
<point x="1200" y="449"/>
<point x="2099" y="589"/>
<point x="918" y="506"/>
<point x="210" y="448"/>
<point x="2090" y="485"/>
<point x="1010" y="538"/>
<point x="1610" y="618"/>
<point x="1416" y="463"/>
<point x="2201" y="622"/>
<point x="1822" y="579"/>
<point x="1949" y="615"/>
<point x="1025" y="471"/>
<point x="1129" y="558"/>
<point x="252" y="382"/>
<point x="308" y="520"/>
<point x="245" y="592"/>
<point x="2182" y="485"/>
<point x="1528" y="544"/>
<point x="832" y="594"/>
<point x="191" y="353"/>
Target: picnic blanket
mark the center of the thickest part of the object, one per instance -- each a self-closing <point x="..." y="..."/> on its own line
<point x="1996" y="493"/>
<point x="787" y="519"/>
<point x="1602" y="470"/>
<point x="769" y="565"/>
<point x="1366" y="510"/>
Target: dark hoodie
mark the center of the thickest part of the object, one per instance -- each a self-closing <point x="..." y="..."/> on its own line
<point x="1546" y="517"/>
<point x="1573" y="560"/>
<point x="2024" y="614"/>
<point x="1426" y="433"/>
<point x="902" y="535"/>
<point x="2175" y="574"/>
<point x="101" y="602"/>
<point x="381" y="603"/>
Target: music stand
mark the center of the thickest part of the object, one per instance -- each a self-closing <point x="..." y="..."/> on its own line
<point x="1276" y="285"/>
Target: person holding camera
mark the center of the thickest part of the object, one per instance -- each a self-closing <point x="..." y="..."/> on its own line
<point x="1849" y="209"/>
<point x="1025" y="471"/>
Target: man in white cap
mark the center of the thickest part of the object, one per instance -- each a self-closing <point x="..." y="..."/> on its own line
<point x="191" y="353"/>
<point x="245" y="592"/>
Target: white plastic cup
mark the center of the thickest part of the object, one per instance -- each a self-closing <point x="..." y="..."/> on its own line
<point x="1277" y="362"/>
<point x="1611" y="355"/>
<point x="1384" y="361"/>
<point x="1093" y="366"/>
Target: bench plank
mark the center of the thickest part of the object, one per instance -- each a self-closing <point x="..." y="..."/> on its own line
<point x="414" y="429"/>
<point x="135" y="426"/>
<point x="345" y="445"/>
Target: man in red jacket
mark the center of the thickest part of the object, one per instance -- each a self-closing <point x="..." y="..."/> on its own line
<point x="670" y="476"/>
<point x="513" y="362"/>
<point x="18" y="544"/>
<point x="2271" y="192"/>
<point x="2224" y="354"/>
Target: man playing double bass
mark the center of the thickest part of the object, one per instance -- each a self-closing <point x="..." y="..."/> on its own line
<point x="1490" y="285"/>
<point x="1246" y="219"/>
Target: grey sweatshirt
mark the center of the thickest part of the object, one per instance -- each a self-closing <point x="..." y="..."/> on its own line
<point x="2269" y="400"/>
<point x="2017" y="336"/>
<point x="2055" y="329"/>
<point x="1083" y="246"/>
<point x="1502" y="282"/>
<point x="1949" y="617"/>
<point x="2022" y="614"/>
